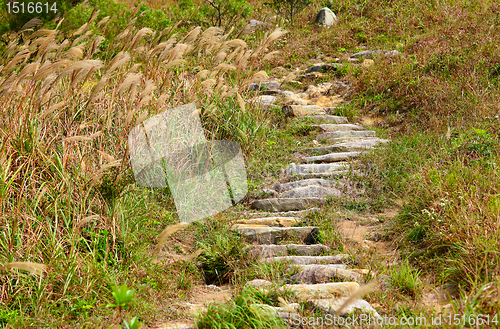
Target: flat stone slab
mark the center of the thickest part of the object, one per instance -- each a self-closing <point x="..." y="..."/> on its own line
<point x="323" y="168"/>
<point x="302" y="110"/>
<point x="312" y="191"/>
<point x="280" y="213"/>
<point x="264" y="101"/>
<point x="341" y="127"/>
<point x="305" y="292"/>
<point x="346" y="147"/>
<point x="329" y="118"/>
<point x="258" y="283"/>
<point x="332" y="157"/>
<point x="306" y="267"/>
<point x="364" y="54"/>
<point x="324" y="67"/>
<point x="308" y="260"/>
<point x="301" y="183"/>
<point x="269" y="221"/>
<point x="324" y="274"/>
<point x="273" y="235"/>
<point x="331" y="305"/>
<point x="272" y="250"/>
<point x="286" y="204"/>
<point x="347" y="133"/>
<point x="266" y="85"/>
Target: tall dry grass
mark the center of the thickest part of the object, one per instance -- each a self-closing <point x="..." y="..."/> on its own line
<point x="67" y="105"/>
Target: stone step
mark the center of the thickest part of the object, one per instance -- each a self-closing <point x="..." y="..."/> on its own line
<point x="347" y="134"/>
<point x="312" y="191"/>
<point x="332" y="157"/>
<point x="331" y="305"/>
<point x="346" y="147"/>
<point x="305" y="292"/>
<point x="279" y="213"/>
<point x="309" y="260"/>
<point x="340" y="127"/>
<point x="272" y="250"/>
<point x="326" y="168"/>
<point x="269" y="221"/>
<point x="302" y="183"/>
<point x="273" y="235"/>
<point x="286" y="204"/>
<point x="324" y="274"/>
<point x="302" y="110"/>
<point x="328" y="118"/>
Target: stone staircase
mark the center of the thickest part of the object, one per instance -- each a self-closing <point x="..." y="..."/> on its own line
<point x="324" y="280"/>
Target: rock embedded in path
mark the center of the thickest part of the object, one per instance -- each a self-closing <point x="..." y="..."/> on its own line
<point x="346" y="147"/>
<point x="301" y="183"/>
<point x="326" y="17"/>
<point x="312" y="192"/>
<point x="328" y="118"/>
<point x="322" y="67"/>
<point x="331" y="305"/>
<point x="305" y="292"/>
<point x="273" y="235"/>
<point x="324" y="274"/>
<point x="264" y="101"/>
<point x="364" y="54"/>
<point x="302" y="110"/>
<point x="309" y="260"/>
<point x="347" y="133"/>
<point x="258" y="283"/>
<point x="266" y="85"/>
<point x="326" y="168"/>
<point x="332" y="157"/>
<point x="269" y="221"/>
<point x="392" y="54"/>
<point x="340" y="127"/>
<point x="271" y="250"/>
<point x="286" y="204"/>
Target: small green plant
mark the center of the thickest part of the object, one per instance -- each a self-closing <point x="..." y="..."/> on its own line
<point x="243" y="311"/>
<point x="122" y="297"/>
<point x="406" y="279"/>
<point x="133" y="324"/>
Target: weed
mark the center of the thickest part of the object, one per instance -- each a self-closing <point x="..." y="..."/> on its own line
<point x="406" y="279"/>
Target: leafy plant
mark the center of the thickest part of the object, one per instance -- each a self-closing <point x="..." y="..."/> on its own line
<point x="242" y="311"/>
<point x="406" y="279"/>
<point x="133" y="324"/>
<point x="122" y="297"/>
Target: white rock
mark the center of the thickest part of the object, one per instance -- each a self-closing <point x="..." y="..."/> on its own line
<point x="326" y="17"/>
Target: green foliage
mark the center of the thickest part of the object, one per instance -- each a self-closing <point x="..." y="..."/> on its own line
<point x="406" y="279"/>
<point x="288" y="8"/>
<point x="225" y="13"/>
<point x="240" y="312"/>
<point x="223" y="253"/>
<point x="133" y="324"/>
<point x="122" y="297"/>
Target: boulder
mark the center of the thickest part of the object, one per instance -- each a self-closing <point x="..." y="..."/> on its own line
<point x="285" y="204"/>
<point x="326" y="17"/>
<point x="331" y="305"/>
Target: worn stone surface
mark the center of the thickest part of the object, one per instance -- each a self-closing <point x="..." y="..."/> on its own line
<point x="346" y="147"/>
<point x="324" y="274"/>
<point x="269" y="221"/>
<point x="332" y="157"/>
<point x="304" y="292"/>
<point x="367" y="62"/>
<point x="308" y="260"/>
<point x="264" y="101"/>
<point x="178" y="326"/>
<point x="273" y="235"/>
<point x="328" y="118"/>
<point x="285" y="204"/>
<point x="341" y="127"/>
<point x="326" y="17"/>
<point x="312" y="191"/>
<point x="331" y="306"/>
<point x="258" y="283"/>
<point x="392" y="53"/>
<point x="301" y="110"/>
<point x="271" y="250"/>
<point x="348" y="133"/>
<point x="316" y="168"/>
<point x="364" y="54"/>
<point x="266" y="85"/>
<point x="322" y="67"/>
<point x="308" y="266"/>
<point x="339" y="88"/>
<point x="301" y="183"/>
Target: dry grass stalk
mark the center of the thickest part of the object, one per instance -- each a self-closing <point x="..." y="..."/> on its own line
<point x="357" y="294"/>
<point x="139" y="35"/>
<point x="192" y="35"/>
<point x="34" y="22"/>
<point x="168" y="232"/>
<point x="132" y="79"/>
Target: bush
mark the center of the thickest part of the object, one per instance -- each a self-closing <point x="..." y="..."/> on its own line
<point x="288" y="8"/>
<point x="224" y="13"/>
